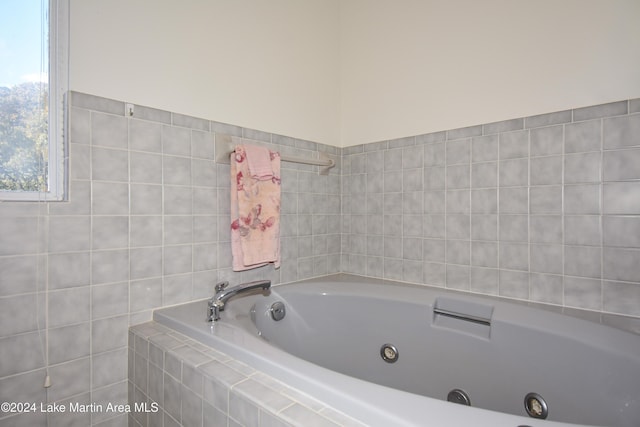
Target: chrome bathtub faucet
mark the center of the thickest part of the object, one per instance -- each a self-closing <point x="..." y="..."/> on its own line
<point x="216" y="304"/>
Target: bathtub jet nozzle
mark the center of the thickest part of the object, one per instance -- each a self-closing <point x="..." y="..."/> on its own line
<point x="216" y="304"/>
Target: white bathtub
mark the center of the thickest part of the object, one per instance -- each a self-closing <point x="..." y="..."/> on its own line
<point x="329" y="345"/>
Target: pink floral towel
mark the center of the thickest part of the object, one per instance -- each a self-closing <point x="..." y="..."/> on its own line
<point x="255" y="208"/>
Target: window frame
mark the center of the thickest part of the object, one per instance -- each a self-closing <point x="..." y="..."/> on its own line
<point x="57" y="181"/>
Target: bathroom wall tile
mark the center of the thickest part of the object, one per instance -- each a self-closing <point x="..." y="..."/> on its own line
<point x="458" y="151"/>
<point x="80" y="162"/>
<point x="621" y="132"/>
<point x="514" y="256"/>
<point x="583" y="167"/>
<point x="434" y="274"/>
<point x="177" y="200"/>
<point x="431" y="138"/>
<point x="176" y="140"/>
<point x="25" y="387"/>
<point x="108" y="334"/>
<point x="393" y="182"/>
<point x="484" y="254"/>
<point x="412" y="157"/>
<point x="434" y="178"/>
<point x="546" y="288"/>
<point x="69" y="233"/>
<point x="412" y="271"/>
<point x="393" y="269"/>
<point x="484" y="175"/>
<point x="412" y="180"/>
<point x="145" y="136"/>
<point x="80" y="126"/>
<point x="464" y="132"/>
<point x="548" y="119"/>
<point x="146" y="199"/>
<point x="69" y="306"/>
<point x="513" y="200"/>
<point x="109" y="198"/>
<point x="582" y="199"/>
<point x="176" y="170"/>
<point x="109" y="131"/>
<point x="513" y="228"/>
<point x="458" y="201"/>
<point x="546" y="258"/>
<point x="411" y="225"/>
<point x="583" y="292"/>
<point x="623" y="231"/>
<point x="621" y="198"/>
<point x="484" y="227"/>
<point x="434" y="250"/>
<point x="546" y="170"/>
<point x="71" y="378"/>
<point x="547" y="199"/>
<point x="433" y="226"/>
<point x="202" y="144"/>
<point x="584" y="136"/>
<point x="458" y="252"/>
<point x="109" y="232"/>
<point x="109" y="266"/>
<point x="146" y="168"/>
<point x="485" y="148"/>
<point x="68" y="270"/>
<point x="145" y="262"/>
<point x="582" y="261"/>
<point x="68" y="343"/>
<point x="547" y="141"/>
<point x="145" y="231"/>
<point x="484" y="280"/>
<point x="620" y="297"/>
<point x="392" y="160"/>
<point x="458" y="227"/>
<point x="621" y="264"/>
<point x="598" y="111"/>
<point x="582" y="230"/>
<point x="503" y="126"/>
<point x="514" y="284"/>
<point x="434" y="202"/>
<point x="513" y="173"/>
<point x="20" y="274"/>
<point x="109" y="300"/>
<point x="109" y="164"/>
<point x="178" y="229"/>
<point x="177" y="259"/>
<point x="458" y="176"/>
<point x="621" y="165"/>
<point x="435" y="154"/>
<point x="514" y="145"/>
<point x="22" y="231"/>
<point x="19" y="349"/>
<point x="484" y="201"/>
<point x="458" y="277"/>
<point x="18" y="314"/>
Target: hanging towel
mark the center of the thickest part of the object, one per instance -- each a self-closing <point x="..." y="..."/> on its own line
<point x="255" y="208"/>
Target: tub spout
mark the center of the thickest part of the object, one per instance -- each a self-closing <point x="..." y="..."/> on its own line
<point x="216" y="304"/>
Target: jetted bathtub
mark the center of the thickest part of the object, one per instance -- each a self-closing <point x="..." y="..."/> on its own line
<point x="392" y="354"/>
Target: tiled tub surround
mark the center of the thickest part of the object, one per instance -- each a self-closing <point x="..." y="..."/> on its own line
<point x="543" y="208"/>
<point x="195" y="385"/>
<point x="145" y="227"/>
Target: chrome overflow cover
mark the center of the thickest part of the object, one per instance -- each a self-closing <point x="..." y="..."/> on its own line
<point x="536" y="406"/>
<point x="277" y="311"/>
<point x="458" y="396"/>
<point x="389" y="353"/>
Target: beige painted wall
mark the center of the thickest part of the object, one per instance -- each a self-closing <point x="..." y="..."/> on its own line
<point x="268" y="65"/>
<point x="344" y="72"/>
<point x="414" y="66"/>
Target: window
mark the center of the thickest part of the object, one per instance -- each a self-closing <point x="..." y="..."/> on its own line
<point x="33" y="83"/>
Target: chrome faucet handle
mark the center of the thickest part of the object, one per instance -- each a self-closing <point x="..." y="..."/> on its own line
<point x="220" y="286"/>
